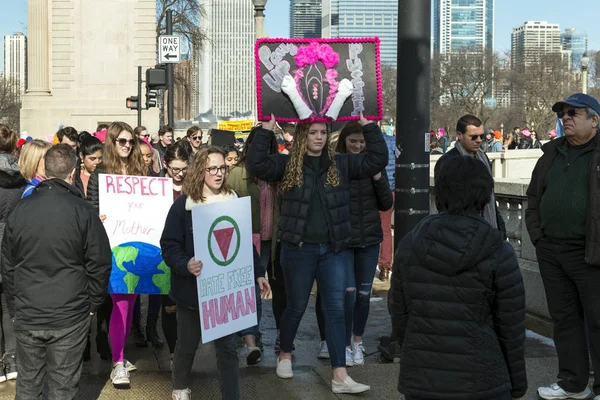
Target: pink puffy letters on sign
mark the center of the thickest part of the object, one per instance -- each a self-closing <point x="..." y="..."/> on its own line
<point x="319" y="80"/>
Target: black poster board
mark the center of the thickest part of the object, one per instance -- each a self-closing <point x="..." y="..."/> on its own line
<point x="220" y="137"/>
<point x="325" y="73"/>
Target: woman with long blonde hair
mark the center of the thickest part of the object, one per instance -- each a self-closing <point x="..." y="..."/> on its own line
<point x="31" y="164"/>
<point x="205" y="183"/>
<point x="122" y="156"/>
<point x="314" y="229"/>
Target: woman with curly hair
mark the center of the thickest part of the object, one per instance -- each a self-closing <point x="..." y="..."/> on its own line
<point x="314" y="229"/>
<point x="122" y="156"/>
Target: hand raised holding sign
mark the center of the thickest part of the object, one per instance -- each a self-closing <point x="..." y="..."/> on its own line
<point x="270" y="125"/>
<point x="194" y="266"/>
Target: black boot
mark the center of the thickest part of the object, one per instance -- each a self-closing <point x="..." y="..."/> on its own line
<point x="138" y="336"/>
<point x="152" y="335"/>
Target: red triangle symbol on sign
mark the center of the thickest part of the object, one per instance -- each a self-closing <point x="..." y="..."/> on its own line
<point x="223" y="237"/>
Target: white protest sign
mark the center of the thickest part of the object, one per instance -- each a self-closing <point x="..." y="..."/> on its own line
<point x="136" y="209"/>
<point x="223" y="242"/>
<point x="168" y="49"/>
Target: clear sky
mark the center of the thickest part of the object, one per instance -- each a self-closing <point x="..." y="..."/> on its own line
<point x="581" y="14"/>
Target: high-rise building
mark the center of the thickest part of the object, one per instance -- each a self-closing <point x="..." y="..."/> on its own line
<point x="305" y="18"/>
<point x="577" y="43"/>
<point x="532" y="40"/>
<point x="463" y="24"/>
<point x="226" y="71"/>
<point x="352" y="18"/>
<point x="15" y="62"/>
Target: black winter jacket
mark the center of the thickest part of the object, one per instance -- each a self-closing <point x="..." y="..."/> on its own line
<point x="458" y="310"/>
<point x="296" y="202"/>
<point x="367" y="198"/>
<point x="93" y="190"/>
<point x="454" y="153"/>
<point x="11" y="188"/>
<point x="56" y="258"/>
<point x="525" y="143"/>
<point x="177" y="245"/>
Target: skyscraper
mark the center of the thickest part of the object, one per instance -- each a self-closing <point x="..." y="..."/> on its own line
<point x="15" y="62"/>
<point x="532" y="40"/>
<point x="305" y="18"/>
<point x="353" y="18"/>
<point x="577" y="43"/>
<point x="463" y="24"/>
<point x="226" y="72"/>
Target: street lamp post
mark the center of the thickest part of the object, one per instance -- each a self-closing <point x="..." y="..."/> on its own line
<point x="585" y="62"/>
<point x="259" y="17"/>
<point x="502" y="128"/>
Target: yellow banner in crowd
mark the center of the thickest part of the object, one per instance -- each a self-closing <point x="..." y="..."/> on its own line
<point x="236" y="126"/>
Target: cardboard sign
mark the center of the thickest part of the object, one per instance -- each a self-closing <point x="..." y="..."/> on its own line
<point x="226" y="286"/>
<point x="136" y="209"/>
<point x="319" y="80"/>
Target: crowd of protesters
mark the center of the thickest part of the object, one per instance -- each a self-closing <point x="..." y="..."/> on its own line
<point x="320" y="211"/>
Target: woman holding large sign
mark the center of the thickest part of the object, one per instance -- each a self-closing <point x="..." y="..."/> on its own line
<point x="314" y="229"/>
<point x="122" y="156"/>
<point x="204" y="184"/>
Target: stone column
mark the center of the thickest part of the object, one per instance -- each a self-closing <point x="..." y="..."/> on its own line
<point x="37" y="47"/>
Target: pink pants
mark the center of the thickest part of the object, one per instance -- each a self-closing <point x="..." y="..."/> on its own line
<point x="387" y="245"/>
<point x="120" y="323"/>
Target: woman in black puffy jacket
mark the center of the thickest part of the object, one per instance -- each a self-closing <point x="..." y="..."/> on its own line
<point x="458" y="302"/>
<point x="367" y="197"/>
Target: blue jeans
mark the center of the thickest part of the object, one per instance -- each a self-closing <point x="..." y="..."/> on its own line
<point x="357" y="306"/>
<point x="360" y="279"/>
<point x="300" y="267"/>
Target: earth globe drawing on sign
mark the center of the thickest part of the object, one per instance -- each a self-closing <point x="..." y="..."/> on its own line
<point x="138" y="267"/>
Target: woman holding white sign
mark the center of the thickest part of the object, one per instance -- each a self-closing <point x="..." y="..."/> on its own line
<point x="122" y="156"/>
<point x="204" y="184"/>
<point x="314" y="229"/>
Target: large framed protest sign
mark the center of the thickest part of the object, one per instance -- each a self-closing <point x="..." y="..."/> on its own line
<point x="320" y="80"/>
<point x="136" y="209"/>
<point x="226" y="291"/>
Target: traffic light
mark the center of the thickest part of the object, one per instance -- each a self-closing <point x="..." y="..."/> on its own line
<point x="156" y="78"/>
<point x="133" y="103"/>
<point x="150" y="98"/>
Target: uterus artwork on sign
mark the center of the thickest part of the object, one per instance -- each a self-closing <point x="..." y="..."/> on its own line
<point x="223" y="242"/>
<point x="318" y="80"/>
<point x="136" y="209"/>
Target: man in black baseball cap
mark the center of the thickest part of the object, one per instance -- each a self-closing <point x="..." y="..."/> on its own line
<point x="563" y="220"/>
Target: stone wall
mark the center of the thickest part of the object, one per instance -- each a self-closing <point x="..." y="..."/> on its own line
<point x="512" y="200"/>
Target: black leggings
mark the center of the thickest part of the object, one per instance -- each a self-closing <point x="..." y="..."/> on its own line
<point x="169" y="322"/>
<point x="277" y="283"/>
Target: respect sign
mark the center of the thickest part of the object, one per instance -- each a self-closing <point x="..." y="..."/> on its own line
<point x="136" y="209"/>
<point x="223" y="242"/>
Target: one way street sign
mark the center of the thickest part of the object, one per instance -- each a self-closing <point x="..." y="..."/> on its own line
<point x="168" y="49"/>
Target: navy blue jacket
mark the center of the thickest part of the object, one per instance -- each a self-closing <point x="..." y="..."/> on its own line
<point x="177" y="244"/>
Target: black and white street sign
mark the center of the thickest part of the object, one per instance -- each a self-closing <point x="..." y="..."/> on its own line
<point x="168" y="49"/>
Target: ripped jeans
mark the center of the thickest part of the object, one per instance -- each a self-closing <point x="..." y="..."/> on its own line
<point x="356" y="306"/>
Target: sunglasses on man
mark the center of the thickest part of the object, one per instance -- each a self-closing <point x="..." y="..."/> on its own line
<point x="571" y="112"/>
<point x="474" y="137"/>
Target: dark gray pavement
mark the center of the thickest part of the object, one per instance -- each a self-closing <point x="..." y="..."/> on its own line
<point x="312" y="376"/>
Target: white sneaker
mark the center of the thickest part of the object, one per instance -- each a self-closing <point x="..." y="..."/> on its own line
<point x="183" y="394"/>
<point x="324" y="352"/>
<point x="348" y="386"/>
<point x="120" y="376"/>
<point x="253" y="355"/>
<point x="358" y="358"/>
<point x="284" y="369"/>
<point x="349" y="359"/>
<point x="556" y="392"/>
<point x="129" y="366"/>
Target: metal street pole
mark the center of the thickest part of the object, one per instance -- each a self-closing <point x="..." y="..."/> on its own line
<point x="412" y="116"/>
<point x="170" y="78"/>
<point x="139" y="109"/>
<point x="585" y="61"/>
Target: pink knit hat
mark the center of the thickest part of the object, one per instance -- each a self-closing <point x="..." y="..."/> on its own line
<point x="552" y="133"/>
<point x="526" y="132"/>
